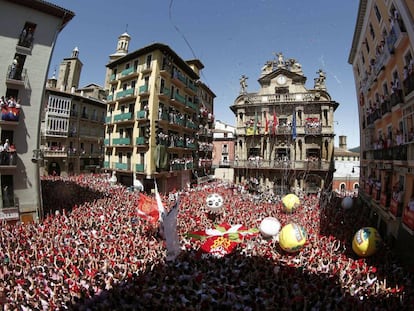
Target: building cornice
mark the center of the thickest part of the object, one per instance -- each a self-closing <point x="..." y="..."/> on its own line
<point x="358" y="30"/>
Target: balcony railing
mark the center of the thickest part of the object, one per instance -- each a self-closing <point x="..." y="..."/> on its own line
<point x="143" y="89"/>
<point x="14" y="75"/>
<point x="140" y="140"/>
<point x="180" y="98"/>
<point x="10" y="114"/>
<point x="305" y="165"/>
<point x="125" y="93"/>
<point x="127" y="71"/>
<point x="123" y="166"/>
<point x="142" y="114"/>
<point x="121" y="141"/>
<point x="139" y="167"/>
<point x="397" y="153"/>
<point x="123" y="116"/>
<point x="191" y="105"/>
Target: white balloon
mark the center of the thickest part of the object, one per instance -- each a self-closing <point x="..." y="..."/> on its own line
<point x="214" y="201"/>
<point x="269" y="227"/>
<point x="347" y="203"/>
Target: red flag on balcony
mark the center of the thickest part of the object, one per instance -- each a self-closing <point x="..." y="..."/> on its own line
<point x="275" y="122"/>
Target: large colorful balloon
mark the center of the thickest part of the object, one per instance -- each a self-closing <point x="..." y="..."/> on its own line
<point x="347" y="202"/>
<point x="269" y="227"/>
<point x="292" y="237"/>
<point x="366" y="241"/>
<point x="214" y="201"/>
<point x="290" y="202"/>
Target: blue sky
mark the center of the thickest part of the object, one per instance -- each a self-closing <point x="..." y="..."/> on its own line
<point x="230" y="37"/>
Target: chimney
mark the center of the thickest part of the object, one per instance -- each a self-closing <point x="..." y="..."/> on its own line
<point x="342" y="142"/>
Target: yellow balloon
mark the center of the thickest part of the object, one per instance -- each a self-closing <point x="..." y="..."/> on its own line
<point x="290" y="202"/>
<point x="366" y="242"/>
<point x="292" y="237"/>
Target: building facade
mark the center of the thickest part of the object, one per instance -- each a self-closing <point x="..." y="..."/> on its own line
<point x="153" y="123"/>
<point x="382" y="61"/>
<point x="73" y="123"/>
<point x="28" y="33"/>
<point x="223" y="151"/>
<point x="347" y="166"/>
<point x="284" y="132"/>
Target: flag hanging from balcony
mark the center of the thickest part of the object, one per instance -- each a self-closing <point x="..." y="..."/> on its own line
<point x="266" y="124"/>
<point x="255" y="123"/>
<point x="275" y="121"/>
<point x="294" y="125"/>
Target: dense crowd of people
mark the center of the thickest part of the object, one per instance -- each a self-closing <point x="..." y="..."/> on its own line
<point x="94" y="251"/>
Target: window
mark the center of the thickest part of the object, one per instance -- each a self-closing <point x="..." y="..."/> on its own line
<point x="16" y="67"/>
<point x="7" y="190"/>
<point x="366" y="45"/>
<point x="385" y="89"/>
<point x="371" y="30"/>
<point x="377" y="13"/>
<point x="27" y="35"/>
<point x="148" y="61"/>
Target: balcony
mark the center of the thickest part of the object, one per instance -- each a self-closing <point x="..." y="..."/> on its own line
<point x="8" y="213"/>
<point x="110" y="98"/>
<point x="108" y="120"/>
<point x="51" y="153"/>
<point x="125" y="93"/>
<point x="191" y="105"/>
<point x="164" y="93"/>
<point x="16" y="77"/>
<point x="180" y="98"/>
<point x="8" y="160"/>
<point x="192" y="87"/>
<point x="127" y="72"/>
<point x="146" y="68"/>
<point x="10" y="115"/>
<point x="106" y="164"/>
<point x="396" y="98"/>
<point x="139" y="168"/>
<point x="191" y="125"/>
<point x="106" y="141"/>
<point x="141" y="140"/>
<point x="397" y="153"/>
<point x="126" y="116"/>
<point x="121" y="141"/>
<point x="178" y="78"/>
<point x="122" y="166"/>
<point x="112" y="78"/>
<point x="143" y="90"/>
<point x="282" y="164"/>
<point x="142" y="114"/>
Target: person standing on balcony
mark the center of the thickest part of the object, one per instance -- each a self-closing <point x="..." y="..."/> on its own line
<point x="13" y="70"/>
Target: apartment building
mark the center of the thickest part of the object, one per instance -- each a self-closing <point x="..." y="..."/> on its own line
<point x="157" y="112"/>
<point x="223" y="150"/>
<point x="73" y="123"/>
<point x="382" y="61"/>
<point x="284" y="131"/>
<point x="28" y="34"/>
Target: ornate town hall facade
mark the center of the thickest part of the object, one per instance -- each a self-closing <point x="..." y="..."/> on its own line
<point x="284" y="132"/>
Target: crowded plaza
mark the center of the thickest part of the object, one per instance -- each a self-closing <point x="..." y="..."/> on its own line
<point x="96" y="249"/>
